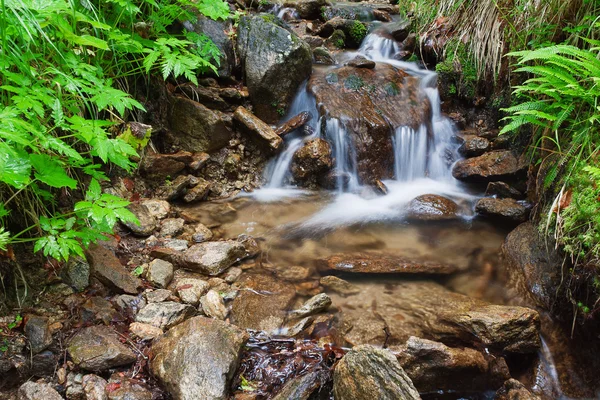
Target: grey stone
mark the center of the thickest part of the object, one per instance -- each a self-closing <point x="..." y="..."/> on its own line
<point x="202" y="234"/>
<point x="159" y="209"/>
<point x="314" y="305"/>
<point x="147" y="222"/>
<point x="212" y="258"/>
<point x="98" y="348"/>
<point x="160" y="273"/>
<point x="76" y="273"/>
<point x="107" y="268"/>
<point x="171" y="226"/>
<point x="38" y="333"/>
<point x="213" y="305"/>
<point x="165" y="315"/>
<point x="37" y="391"/>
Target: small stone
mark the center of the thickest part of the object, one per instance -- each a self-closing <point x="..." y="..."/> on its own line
<point x="190" y="290"/>
<point x="107" y="268"/>
<point x="339" y="285"/>
<point x="159" y="209"/>
<point x="296" y="328"/>
<point x="38" y="333"/>
<point x="160" y="273"/>
<point x="514" y="390"/>
<point x="508" y="210"/>
<point x="165" y="315"/>
<point x="76" y="273"/>
<point x="213" y="258"/>
<point x="37" y="391"/>
<point x="94" y="387"/>
<point x="314" y="305"/>
<point x="502" y="190"/>
<point x="202" y="234"/>
<point x="130" y="304"/>
<point x="171" y="227"/>
<point x="259" y="129"/>
<point x="147" y="222"/>
<point x="361" y="62"/>
<point x="127" y="389"/>
<point x="174" y="190"/>
<point x="233" y="274"/>
<point x="294" y="273"/>
<point x="213" y="305"/>
<point x="145" y="331"/>
<point x="158" y="295"/>
<point x="198" y="192"/>
<point x="175" y="244"/>
<point x="97" y="308"/>
<point x="474" y="146"/>
<point x="250" y="244"/>
<point x="98" y="348"/>
<point x="431" y="207"/>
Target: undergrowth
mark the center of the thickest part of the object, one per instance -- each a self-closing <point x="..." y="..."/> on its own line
<point x="65" y="70"/>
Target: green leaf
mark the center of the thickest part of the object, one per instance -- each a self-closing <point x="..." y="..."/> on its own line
<point x="94" y="191"/>
<point x="214" y="9"/>
<point x="15" y="167"/>
<point x="51" y="172"/>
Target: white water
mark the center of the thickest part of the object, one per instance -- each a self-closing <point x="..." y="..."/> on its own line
<point x="422" y="159"/>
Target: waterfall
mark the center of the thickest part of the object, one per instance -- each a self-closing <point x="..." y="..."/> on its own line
<point x="345" y="157"/>
<point x="410" y="153"/>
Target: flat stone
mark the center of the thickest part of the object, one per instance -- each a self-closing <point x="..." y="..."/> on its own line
<point x="190" y="289"/>
<point x="492" y="166"/>
<point x="368" y="372"/>
<point x="366" y="263"/>
<point x="339" y="285"/>
<point x="97" y="308"/>
<point x="161" y="166"/>
<point x="433" y="366"/>
<point x="431" y="207"/>
<point x="158" y="295"/>
<point x="98" y="348"/>
<point x="159" y="209"/>
<point x="213" y="258"/>
<point x="145" y="331"/>
<point x="508" y="210"/>
<point x="198" y="358"/>
<point x="301" y="387"/>
<point x="361" y="62"/>
<point x="165" y="315"/>
<point x="37" y="391"/>
<point x="147" y="222"/>
<point x="262" y="303"/>
<point x="171" y="227"/>
<point x="502" y="190"/>
<point x="129" y="304"/>
<point x="107" y="268"/>
<point x="293" y="273"/>
<point x="314" y="305"/>
<point x="38" y="333"/>
<point x="261" y="131"/>
<point x="198" y="192"/>
<point x="123" y="388"/>
<point x="176" y="189"/>
<point x="160" y="273"/>
<point x="213" y="305"/>
<point x="293" y="123"/>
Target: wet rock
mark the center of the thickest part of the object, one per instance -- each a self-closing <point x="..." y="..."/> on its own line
<point x="97" y="308"/>
<point x="293" y="123"/>
<point x="275" y="62"/>
<point x="199" y="160"/>
<point x="208" y="96"/>
<point x="508" y="210"/>
<point x="312" y="159"/>
<point x="361" y="62"/>
<point x="323" y="56"/>
<point x="262" y="303"/>
<point x="301" y="388"/>
<point x="212" y="258"/>
<point x="433" y="367"/>
<point x="427" y="309"/>
<point x="178" y="188"/>
<point x="195" y="127"/>
<point x="514" y="390"/>
<point x="431" y="207"/>
<point x="313" y="41"/>
<point x="107" y="268"/>
<point x="354" y="31"/>
<point x="367" y="372"/>
<point x="147" y="223"/>
<point x="381" y="15"/>
<point x="474" y="146"/>
<point x="165" y="315"/>
<point x="37" y="391"/>
<point x="123" y="388"/>
<point x="160" y="166"/>
<point x="366" y="263"/>
<point x="502" y="190"/>
<point x="213" y="305"/>
<point x="129" y="304"/>
<point x="94" y="387"/>
<point x="533" y="266"/>
<point x="199" y="192"/>
<point x="76" y="273"/>
<point x="145" y="331"/>
<point x="306" y="9"/>
<point x="400" y="29"/>
<point x="202" y="234"/>
<point x="350" y="94"/>
<point x="175" y="244"/>
<point x="157" y="296"/>
<point x="171" y="226"/>
<point x="98" y="348"/>
<point x="233" y="274"/>
<point x="314" y="305"/>
<point x="197" y="359"/>
<point x="38" y="333"/>
<point x="261" y="131"/>
<point x="338" y="285"/>
<point x="492" y="166"/>
<point x="160" y="273"/>
<point x="190" y="290"/>
<point x="159" y="209"/>
<point x="217" y="32"/>
<point x="250" y="244"/>
<point x="294" y="273"/>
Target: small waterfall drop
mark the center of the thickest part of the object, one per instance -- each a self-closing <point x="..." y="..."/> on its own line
<point x="410" y="153"/>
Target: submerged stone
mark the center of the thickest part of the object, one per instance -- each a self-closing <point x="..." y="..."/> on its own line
<point x="367" y="263"/>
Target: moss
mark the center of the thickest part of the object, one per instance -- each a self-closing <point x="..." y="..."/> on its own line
<point x="269" y="18"/>
<point x="358" y="31"/>
<point x="331" y="78"/>
<point x="338" y="38"/>
<point x="391" y="89"/>
<point x="354" y="82"/>
<point x="458" y="71"/>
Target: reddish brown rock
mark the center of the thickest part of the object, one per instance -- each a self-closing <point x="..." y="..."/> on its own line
<point x="382" y="264"/>
<point x="293" y="123"/>
<point x="107" y="268"/>
<point x="431" y="207"/>
<point x="312" y="160"/>
<point x="260" y="130"/>
<point x="492" y="166"/>
<point x="507" y="210"/>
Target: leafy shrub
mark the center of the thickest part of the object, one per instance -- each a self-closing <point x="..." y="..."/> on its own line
<point x="358" y="31"/>
<point x="64" y="75"/>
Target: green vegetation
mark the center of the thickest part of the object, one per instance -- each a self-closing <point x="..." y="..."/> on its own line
<point x="457" y="71"/>
<point x="354" y="82"/>
<point x="65" y="72"/>
<point x="358" y="31"/>
<point x="338" y="38"/>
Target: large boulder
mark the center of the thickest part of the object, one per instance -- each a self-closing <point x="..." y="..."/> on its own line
<point x="312" y="160"/>
<point x="195" y="127"/>
<point x="367" y="263"/>
<point x="217" y="32"/>
<point x="368" y="372"/>
<point x="275" y="62"/>
<point x="366" y="102"/>
<point x="427" y="309"/>
<point x="98" y="348"/>
<point x="197" y="359"/>
<point x="492" y="166"/>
